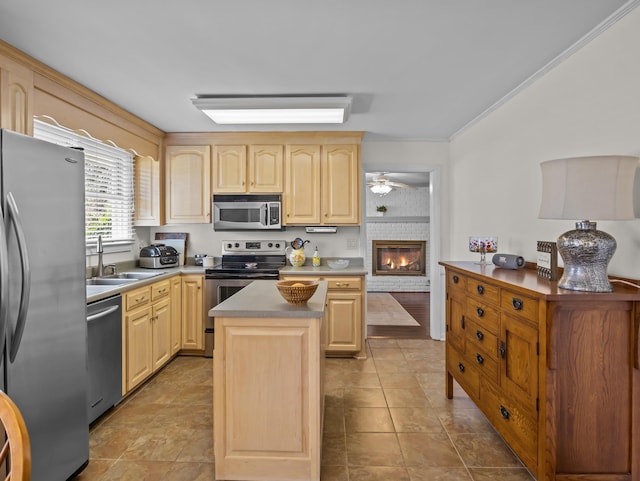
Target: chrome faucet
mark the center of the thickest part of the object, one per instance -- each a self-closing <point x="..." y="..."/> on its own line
<point x="101" y="266"/>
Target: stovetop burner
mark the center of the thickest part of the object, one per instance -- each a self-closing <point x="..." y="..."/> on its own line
<point x="249" y="259"/>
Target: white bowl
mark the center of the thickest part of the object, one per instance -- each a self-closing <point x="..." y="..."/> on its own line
<point x="338" y="263"/>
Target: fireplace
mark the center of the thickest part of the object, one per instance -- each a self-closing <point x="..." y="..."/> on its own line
<point x="398" y="258"/>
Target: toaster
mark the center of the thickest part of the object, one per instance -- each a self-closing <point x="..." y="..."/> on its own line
<point x="158" y="256"/>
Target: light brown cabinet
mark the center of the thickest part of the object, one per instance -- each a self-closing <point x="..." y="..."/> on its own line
<point x="555" y="371"/>
<point x="344" y="314"/>
<point x="188" y="189"/>
<point x="147" y="332"/>
<point x="176" y="313"/>
<point x="247" y="168"/>
<point x="192" y="312"/>
<point x="147" y="195"/>
<point x="322" y="184"/>
<point x="16" y="97"/>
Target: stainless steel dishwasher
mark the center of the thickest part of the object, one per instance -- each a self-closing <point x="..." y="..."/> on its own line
<point x="104" y="326"/>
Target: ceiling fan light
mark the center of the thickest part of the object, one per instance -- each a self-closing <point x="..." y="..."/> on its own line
<point x="381" y="189"/>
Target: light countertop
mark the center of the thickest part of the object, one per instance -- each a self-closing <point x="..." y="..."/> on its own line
<point x="262" y="299"/>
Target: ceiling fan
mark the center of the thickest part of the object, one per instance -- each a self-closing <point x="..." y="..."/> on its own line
<point x="381" y="185"/>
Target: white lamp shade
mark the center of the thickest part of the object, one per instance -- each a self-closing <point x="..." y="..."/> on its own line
<point x="588" y="188"/>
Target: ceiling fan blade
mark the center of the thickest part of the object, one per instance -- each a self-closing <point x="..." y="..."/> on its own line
<point x="399" y="185"/>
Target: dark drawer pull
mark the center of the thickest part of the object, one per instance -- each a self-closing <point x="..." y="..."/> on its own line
<point x="462" y="322"/>
<point x="504" y="412"/>
<point x="517" y="303"/>
<point x="456" y="279"/>
<point x="480" y="311"/>
<point x="461" y="367"/>
<point x="480" y="359"/>
<point x="502" y="349"/>
<point x="480" y="289"/>
<point x="479" y="335"/>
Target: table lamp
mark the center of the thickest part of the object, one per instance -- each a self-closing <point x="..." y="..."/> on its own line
<point x="588" y="188"/>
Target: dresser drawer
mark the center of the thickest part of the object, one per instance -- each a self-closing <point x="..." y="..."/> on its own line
<point x="464" y="372"/>
<point x="456" y="282"/>
<point x="480" y="337"/>
<point x="481" y="290"/>
<point x="160" y="290"/>
<point x="483" y="314"/>
<point x="486" y="364"/>
<point x="517" y="424"/>
<point x="137" y="298"/>
<point x="515" y="303"/>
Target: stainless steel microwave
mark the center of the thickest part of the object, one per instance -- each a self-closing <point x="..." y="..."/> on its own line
<point x="247" y="212"/>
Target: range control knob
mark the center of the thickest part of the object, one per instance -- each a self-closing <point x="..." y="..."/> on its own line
<point x="229" y="245"/>
<point x="277" y="245"/>
<point x="236" y="245"/>
<point x="270" y="244"/>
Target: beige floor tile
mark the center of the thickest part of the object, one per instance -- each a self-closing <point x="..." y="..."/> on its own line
<point x="126" y="470"/>
<point x="465" y="421"/>
<point x="383" y="343"/>
<point x="190" y="472"/>
<point x="96" y="469"/>
<point x="424" y="344"/>
<point x="111" y="441"/>
<point x="373" y="449"/>
<point x="426" y="365"/>
<point x="404" y="380"/>
<point x="194" y="395"/>
<point x="485" y="450"/>
<point x="333" y="415"/>
<point x="157" y="444"/>
<point x="415" y="419"/>
<point x="392" y="365"/>
<point x="361" y="379"/>
<point x="364" y="397"/>
<point x="199" y="448"/>
<point x="334" y="473"/>
<point x="501" y="474"/>
<point x="387" y="354"/>
<point x="368" y="420"/>
<point x="404" y="398"/>
<point x="425" y="473"/>
<point x="428" y="449"/>
<point x="334" y="449"/>
<point x="378" y="473"/>
<point x="358" y="365"/>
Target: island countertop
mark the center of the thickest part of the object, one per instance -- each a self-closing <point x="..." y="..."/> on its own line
<point x="261" y="298"/>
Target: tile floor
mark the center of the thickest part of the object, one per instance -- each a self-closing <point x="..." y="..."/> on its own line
<point x="386" y="418"/>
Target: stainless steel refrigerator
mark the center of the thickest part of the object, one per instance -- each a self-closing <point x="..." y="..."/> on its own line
<point x="43" y="299"/>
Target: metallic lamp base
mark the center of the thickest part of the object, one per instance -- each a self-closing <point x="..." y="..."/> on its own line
<point x="586" y="253"/>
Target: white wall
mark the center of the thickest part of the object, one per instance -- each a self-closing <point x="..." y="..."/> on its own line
<point x="587" y="105"/>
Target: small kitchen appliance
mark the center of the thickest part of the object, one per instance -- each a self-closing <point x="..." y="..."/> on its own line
<point x="158" y="256"/>
<point x="247" y="212"/>
<point x="242" y="262"/>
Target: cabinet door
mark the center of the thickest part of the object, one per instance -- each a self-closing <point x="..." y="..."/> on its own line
<point x="455" y="323"/>
<point x="16" y="97"/>
<point x="176" y="314"/>
<point x="518" y="351"/>
<point x="192" y="313"/>
<point x="188" y="184"/>
<point x="229" y="168"/>
<point x="265" y="168"/>
<point x="302" y="193"/>
<point x="343" y="317"/>
<point x="147" y="191"/>
<point x="340" y="184"/>
<point x="161" y="333"/>
<point x="139" y="349"/>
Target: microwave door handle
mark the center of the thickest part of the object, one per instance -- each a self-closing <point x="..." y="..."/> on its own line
<point x="265" y="219"/>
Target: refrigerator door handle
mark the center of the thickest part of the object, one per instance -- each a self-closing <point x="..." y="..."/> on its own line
<point x="4" y="283"/>
<point x="14" y="216"/>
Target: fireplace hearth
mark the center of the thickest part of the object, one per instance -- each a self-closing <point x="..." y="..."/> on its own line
<point x="399" y="258"/>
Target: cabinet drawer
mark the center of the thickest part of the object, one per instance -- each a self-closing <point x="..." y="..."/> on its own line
<point x="456" y="282"/>
<point x="137" y="298"/>
<point x="486" y="364"/>
<point x="160" y="290"/>
<point x="516" y="423"/>
<point x="464" y="372"/>
<point x="343" y="283"/>
<point x="481" y="290"/>
<point x="480" y="337"/>
<point x="482" y="314"/>
<point x="518" y="304"/>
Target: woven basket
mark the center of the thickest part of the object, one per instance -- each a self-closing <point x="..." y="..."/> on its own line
<point x="297" y="292"/>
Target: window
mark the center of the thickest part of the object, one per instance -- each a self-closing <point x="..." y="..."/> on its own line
<point x="108" y="184"/>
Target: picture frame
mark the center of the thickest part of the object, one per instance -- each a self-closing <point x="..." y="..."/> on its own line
<point x="547" y="260"/>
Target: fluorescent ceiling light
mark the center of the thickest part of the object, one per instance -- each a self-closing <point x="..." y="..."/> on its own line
<point x="275" y="110"/>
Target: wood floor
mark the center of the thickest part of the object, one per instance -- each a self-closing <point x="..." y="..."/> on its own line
<point x="416" y="304"/>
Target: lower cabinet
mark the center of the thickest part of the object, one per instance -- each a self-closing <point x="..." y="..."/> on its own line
<point x="147" y="332"/>
<point x="344" y="314"/>
<point x="176" y="314"/>
<point x="192" y="312"/>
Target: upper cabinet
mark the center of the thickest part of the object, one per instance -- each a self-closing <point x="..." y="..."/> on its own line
<point x="247" y="168"/>
<point x="188" y="193"/>
<point x="147" y="200"/>
<point x="322" y="184"/>
<point x="16" y="97"/>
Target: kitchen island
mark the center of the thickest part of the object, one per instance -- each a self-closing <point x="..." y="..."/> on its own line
<point x="268" y="393"/>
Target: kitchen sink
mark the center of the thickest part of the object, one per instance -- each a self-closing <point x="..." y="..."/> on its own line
<point x="135" y="275"/>
<point x="103" y="281"/>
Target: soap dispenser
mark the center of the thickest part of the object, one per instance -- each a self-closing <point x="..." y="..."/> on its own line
<point x="316" y="258"/>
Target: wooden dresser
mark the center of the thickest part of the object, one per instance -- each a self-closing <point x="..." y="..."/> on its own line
<point x="555" y="371"/>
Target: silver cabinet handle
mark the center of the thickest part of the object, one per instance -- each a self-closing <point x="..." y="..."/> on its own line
<point x="14" y="216"/>
<point x="4" y="282"/>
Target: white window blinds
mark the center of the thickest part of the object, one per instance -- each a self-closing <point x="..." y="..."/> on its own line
<point x="108" y="182"/>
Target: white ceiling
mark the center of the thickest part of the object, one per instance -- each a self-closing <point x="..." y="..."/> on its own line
<point x="417" y="69"/>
